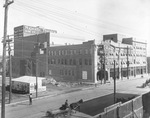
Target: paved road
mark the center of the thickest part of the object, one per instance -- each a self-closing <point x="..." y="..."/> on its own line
<point x="40" y="106"/>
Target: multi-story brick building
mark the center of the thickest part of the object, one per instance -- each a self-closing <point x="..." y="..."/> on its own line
<point x="130" y="56"/>
<point x="79" y="62"/>
<point x="26" y="38"/>
<point x="73" y="62"/>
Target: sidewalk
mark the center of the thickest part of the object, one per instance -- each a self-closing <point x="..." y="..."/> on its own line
<point x="54" y="92"/>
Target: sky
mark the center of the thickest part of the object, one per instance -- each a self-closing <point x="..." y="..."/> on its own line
<point x="81" y="19"/>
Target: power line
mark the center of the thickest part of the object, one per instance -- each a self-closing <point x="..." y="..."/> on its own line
<point x="87" y="17"/>
<point x="58" y="20"/>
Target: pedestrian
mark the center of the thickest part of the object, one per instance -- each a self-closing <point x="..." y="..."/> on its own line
<point x="66" y="104"/>
<point x="30" y="98"/>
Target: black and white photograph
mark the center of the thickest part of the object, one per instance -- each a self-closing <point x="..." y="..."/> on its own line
<point x="75" y="58"/>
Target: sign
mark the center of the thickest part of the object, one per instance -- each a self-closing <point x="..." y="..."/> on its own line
<point x="37" y="30"/>
<point x="24" y="30"/>
<point x="32" y="88"/>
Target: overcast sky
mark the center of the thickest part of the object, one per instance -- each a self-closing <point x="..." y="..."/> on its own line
<point x="84" y="19"/>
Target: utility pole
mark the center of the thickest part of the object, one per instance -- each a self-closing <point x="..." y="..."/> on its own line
<point x="10" y="67"/>
<point x="37" y="52"/>
<point x="114" y="81"/>
<point x="36" y="75"/>
<point x="114" y="75"/>
<point x="104" y="67"/>
<point x="47" y="52"/>
<point x="127" y="62"/>
<point x="7" y="3"/>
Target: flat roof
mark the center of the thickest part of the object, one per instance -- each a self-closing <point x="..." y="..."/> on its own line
<point x="27" y="79"/>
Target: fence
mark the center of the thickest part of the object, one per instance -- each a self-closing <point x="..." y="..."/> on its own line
<point x="130" y="109"/>
<point x="146" y="104"/>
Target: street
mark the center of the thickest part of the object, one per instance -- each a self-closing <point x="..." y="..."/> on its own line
<point x="40" y="106"/>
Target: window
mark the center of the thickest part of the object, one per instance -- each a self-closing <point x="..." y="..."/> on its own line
<point x="65" y="72"/>
<point x="74" y="51"/>
<point x="54" y="61"/>
<point x="50" y="72"/>
<point x="86" y="62"/>
<point x="58" y="61"/>
<point x="62" y="72"/>
<point x="52" y="53"/>
<point x="59" y="52"/>
<point x="49" y="52"/>
<point x="62" y="52"/>
<point x="86" y="51"/>
<point x="69" y="72"/>
<point x="65" y="52"/>
<point x="65" y="61"/>
<point x="90" y="62"/>
<point x="70" y="62"/>
<point x="62" y="61"/>
<point x="49" y="61"/>
<point x="72" y="72"/>
<point x="80" y="61"/>
<point x="55" y="53"/>
<point x="80" y="51"/>
<point x="71" y="52"/>
<point x="74" y="62"/>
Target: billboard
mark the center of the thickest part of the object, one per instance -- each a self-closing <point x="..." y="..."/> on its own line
<point x="24" y="30"/>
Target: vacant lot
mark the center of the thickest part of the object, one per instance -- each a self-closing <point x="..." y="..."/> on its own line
<point x="97" y="105"/>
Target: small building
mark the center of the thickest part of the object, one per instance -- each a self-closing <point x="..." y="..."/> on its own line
<point x="26" y="84"/>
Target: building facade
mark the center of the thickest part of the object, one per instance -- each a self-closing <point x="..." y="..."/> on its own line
<point x="26" y="50"/>
<point x="78" y="62"/>
<point x="73" y="62"/>
<point x="130" y="56"/>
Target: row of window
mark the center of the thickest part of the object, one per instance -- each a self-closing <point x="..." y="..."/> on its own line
<point x="69" y="52"/>
<point x="70" y="61"/>
<point x="122" y="63"/>
<point x="140" y="48"/>
<point x="138" y="55"/>
<point x="67" y="72"/>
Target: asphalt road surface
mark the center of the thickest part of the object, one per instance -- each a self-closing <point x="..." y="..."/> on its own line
<point x="40" y="106"/>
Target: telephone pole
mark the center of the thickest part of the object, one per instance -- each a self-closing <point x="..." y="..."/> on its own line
<point x="37" y="64"/>
<point x="127" y="62"/>
<point x="10" y="67"/>
<point x="7" y="3"/>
